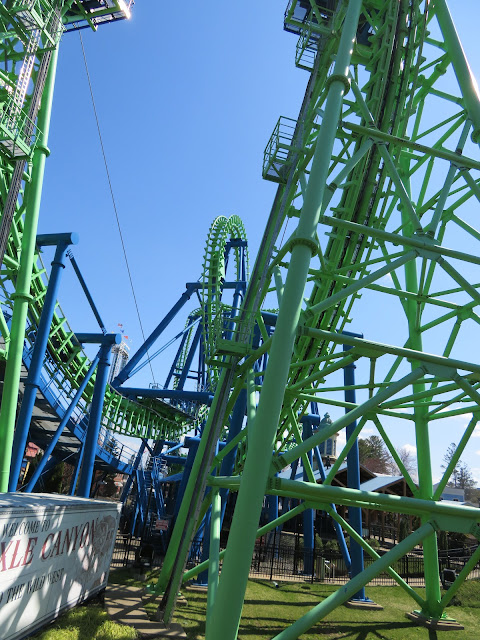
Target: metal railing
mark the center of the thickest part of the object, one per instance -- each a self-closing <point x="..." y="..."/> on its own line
<point x="300" y="15"/>
<point x="18" y="133"/>
<point x="60" y="393"/>
<point x="279" y="146"/>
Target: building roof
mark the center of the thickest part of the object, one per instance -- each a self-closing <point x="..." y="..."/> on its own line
<point x="380" y="482"/>
<point x="371" y="481"/>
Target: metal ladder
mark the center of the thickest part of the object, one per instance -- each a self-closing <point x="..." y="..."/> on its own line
<point x="16" y="181"/>
<point x="24" y="77"/>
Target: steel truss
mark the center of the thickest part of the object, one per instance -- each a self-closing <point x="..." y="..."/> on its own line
<point x="380" y="182"/>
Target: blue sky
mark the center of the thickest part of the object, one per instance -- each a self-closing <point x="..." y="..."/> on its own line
<point x="185" y="110"/>
<point x="187" y="98"/>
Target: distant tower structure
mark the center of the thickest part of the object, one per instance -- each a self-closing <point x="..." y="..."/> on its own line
<point x="119" y="359"/>
<point x="328" y="448"/>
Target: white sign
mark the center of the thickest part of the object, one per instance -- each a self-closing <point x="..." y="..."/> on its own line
<point x="161" y="525"/>
<point x="55" y="551"/>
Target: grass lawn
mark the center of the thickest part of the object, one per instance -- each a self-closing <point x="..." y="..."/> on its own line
<point x="86" y="622"/>
<point x="268" y="610"/>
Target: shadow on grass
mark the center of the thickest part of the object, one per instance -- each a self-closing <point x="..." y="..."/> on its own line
<point x="354" y="631"/>
<point x="269" y="610"/>
<point x="268" y="627"/>
<point x="290" y="603"/>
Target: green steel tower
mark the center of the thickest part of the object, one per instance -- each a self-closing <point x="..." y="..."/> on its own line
<point x="31" y="32"/>
<point x="379" y="180"/>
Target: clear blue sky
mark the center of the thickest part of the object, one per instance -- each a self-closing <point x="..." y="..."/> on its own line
<point x="187" y="98"/>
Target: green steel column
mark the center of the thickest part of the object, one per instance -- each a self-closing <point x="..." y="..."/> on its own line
<point x="214" y="557"/>
<point x="225" y="617"/>
<point x="334" y="600"/>
<point x="182" y="528"/>
<point x="22" y="296"/>
<point x="432" y="606"/>
<point x="466" y="80"/>
<point x="191" y="573"/>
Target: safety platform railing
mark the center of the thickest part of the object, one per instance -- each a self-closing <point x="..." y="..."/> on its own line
<point x="232" y="336"/>
<point x="39" y="14"/>
<point x="18" y="133"/>
<point x="87" y="14"/>
<point x="59" y="393"/>
<point x="66" y="364"/>
<point x="279" y="146"/>
<point x="306" y="50"/>
<point x="160" y="468"/>
<point x="300" y="15"/>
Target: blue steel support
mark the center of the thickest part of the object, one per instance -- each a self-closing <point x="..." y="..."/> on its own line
<point x="129" y="367"/>
<point x="189" y="359"/>
<point x="51" y="445"/>
<point x="201" y="397"/>
<point x="178" y="354"/>
<point x="173" y="448"/>
<point x="236" y="423"/>
<point x="129" y="482"/>
<point x="78" y="466"/>
<point x="62" y="242"/>
<point x="173" y="459"/>
<point x="314" y="420"/>
<point x="353" y="478"/>
<point x="338" y="529"/>
<point x="133" y="521"/>
<point x="87" y="293"/>
<point x="192" y="444"/>
<point x="308" y="517"/>
<point x="106" y="341"/>
<point x="51" y="463"/>
<point x="158" y="447"/>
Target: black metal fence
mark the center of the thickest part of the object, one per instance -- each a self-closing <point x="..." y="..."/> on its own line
<point x="289" y="562"/>
<point x="125" y="550"/>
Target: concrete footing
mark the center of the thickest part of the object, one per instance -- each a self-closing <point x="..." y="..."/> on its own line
<point x="200" y="588"/>
<point x="435" y="624"/>
<point x="363" y="604"/>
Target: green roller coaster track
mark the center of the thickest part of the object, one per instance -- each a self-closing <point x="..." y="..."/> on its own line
<point x="213" y="309"/>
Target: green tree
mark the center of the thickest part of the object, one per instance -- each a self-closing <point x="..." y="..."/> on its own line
<point x="466" y="480"/>
<point x="443" y="540"/>
<point x="461" y="476"/>
<point x="374" y="455"/>
<point x="447" y="458"/>
<point x="404" y="529"/>
<point x="409" y="460"/>
<point x="54" y="480"/>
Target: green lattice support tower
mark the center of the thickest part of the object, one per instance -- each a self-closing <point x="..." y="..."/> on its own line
<point x="379" y="180"/>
